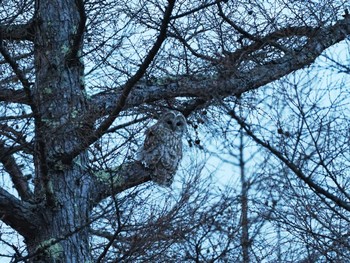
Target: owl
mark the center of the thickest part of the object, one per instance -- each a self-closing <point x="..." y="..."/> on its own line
<point x="162" y="149"/>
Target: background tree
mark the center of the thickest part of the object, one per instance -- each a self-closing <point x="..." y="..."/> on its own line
<point x="80" y="81"/>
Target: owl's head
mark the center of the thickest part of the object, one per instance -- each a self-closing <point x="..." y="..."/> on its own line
<point x="174" y="121"/>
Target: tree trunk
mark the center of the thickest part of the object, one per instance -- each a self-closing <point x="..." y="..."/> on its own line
<point x="58" y="103"/>
<point x="63" y="236"/>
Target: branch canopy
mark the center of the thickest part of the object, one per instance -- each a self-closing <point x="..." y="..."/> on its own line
<point x="235" y="81"/>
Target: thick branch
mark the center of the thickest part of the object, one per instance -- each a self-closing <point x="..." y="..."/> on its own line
<point x="17" y="32"/>
<point x="17" y="214"/>
<point x="115" y="181"/>
<point x="13" y="96"/>
<point x="241" y="81"/>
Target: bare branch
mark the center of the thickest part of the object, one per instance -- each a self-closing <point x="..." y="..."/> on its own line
<point x="126" y="91"/>
<point x="259" y="41"/>
<point x="111" y="182"/>
<point x="299" y="173"/>
<point x="196" y="9"/>
<point x="14" y="96"/>
<point x="17" y="32"/>
<point x="18" y="179"/>
<point x="142" y="69"/>
<point x="15" y="67"/>
<point x="240" y="81"/>
<point x="18" y="214"/>
<point x="72" y="56"/>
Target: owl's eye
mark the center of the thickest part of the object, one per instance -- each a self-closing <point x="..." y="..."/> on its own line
<point x="179" y="124"/>
<point x="169" y="122"/>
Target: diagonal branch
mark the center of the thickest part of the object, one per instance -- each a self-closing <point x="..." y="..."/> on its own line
<point x="115" y="181"/>
<point x="319" y="39"/>
<point x="196" y="9"/>
<point x="19" y="73"/>
<point x="141" y="71"/>
<point x="15" y="67"/>
<point x="18" y="179"/>
<point x="123" y="96"/>
<point x="299" y="173"/>
<point x="77" y="39"/>
<point x="18" y="215"/>
<point x="259" y="41"/>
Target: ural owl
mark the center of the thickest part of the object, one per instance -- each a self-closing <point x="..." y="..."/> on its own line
<point x="162" y="148"/>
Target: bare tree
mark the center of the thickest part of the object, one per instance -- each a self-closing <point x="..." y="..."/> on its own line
<point x="81" y="79"/>
<point x="307" y="133"/>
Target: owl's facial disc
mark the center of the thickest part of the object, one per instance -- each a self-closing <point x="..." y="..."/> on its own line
<point x="174" y="126"/>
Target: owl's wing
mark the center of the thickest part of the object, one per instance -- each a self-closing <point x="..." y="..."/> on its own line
<point x="150" y="141"/>
<point x="150" y="153"/>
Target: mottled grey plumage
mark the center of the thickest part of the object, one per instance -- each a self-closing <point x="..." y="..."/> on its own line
<point x="162" y="148"/>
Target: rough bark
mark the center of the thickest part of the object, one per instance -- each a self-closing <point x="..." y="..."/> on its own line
<point x="58" y="102"/>
<point x="17" y="214"/>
